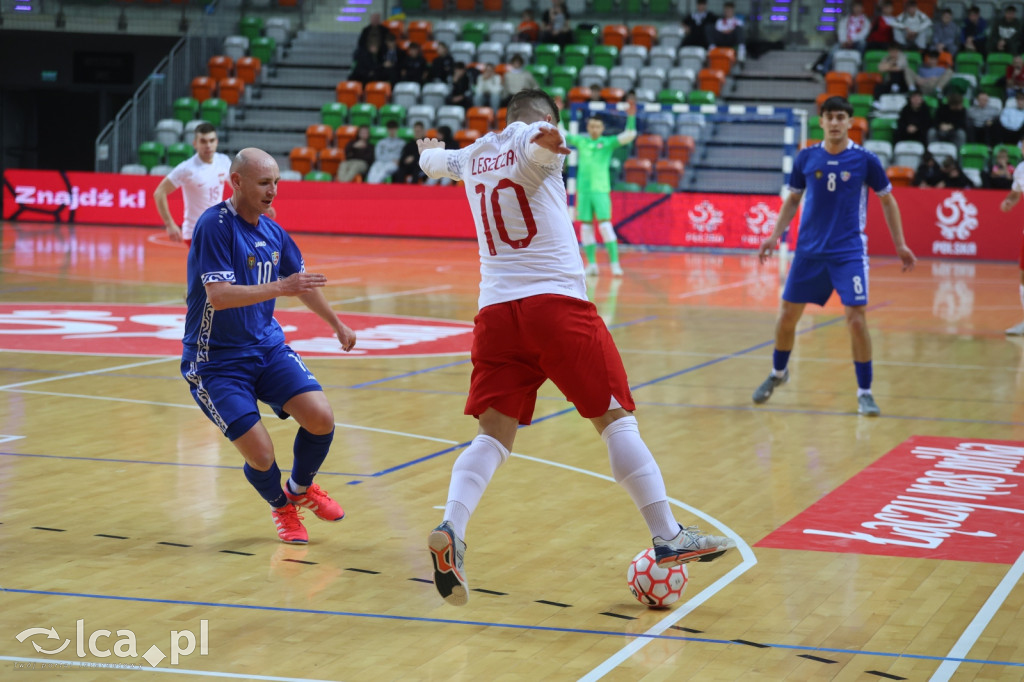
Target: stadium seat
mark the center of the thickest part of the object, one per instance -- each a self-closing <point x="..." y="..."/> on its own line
<point x="974" y="156"/>
<point x="680" y="78"/>
<point x="319" y="136"/>
<point x="248" y="69"/>
<point x="452" y="116"/>
<point x="480" y="119"/>
<point x="466" y="136"/>
<point x="557" y="94"/>
<point x="858" y="129"/>
<point x="604" y="55"/>
<point x="134" y="169"/>
<point x="943" y="150"/>
<point x="651" y="78"/>
<point x="663" y="57"/>
<point x="588" y="35"/>
<point x="278" y="28"/>
<point x="150" y="154"/>
<point x="502" y="119"/>
<point x="882" y="129"/>
<point x="945" y="59"/>
<point x="474" y="32"/>
<point x="434" y="94"/>
<point x="659" y="188"/>
<point x="185" y="109"/>
<point x="593" y="73"/>
<point x="669" y="172"/>
<point x="644" y="35"/>
<point x="231" y="90"/>
<point x="541" y="73"/>
<point x="377" y="93"/>
<point x="891" y="104"/>
<point x="178" y="152"/>
<point x="290" y="175"/>
<point x="721" y="59"/>
<point x="1012" y="151"/>
<point x="491" y="52"/>
<point x="862" y="104"/>
<point x="236" y="47"/>
<point x="907" y="153"/>
<point x="362" y="114"/>
<point x="871" y="59"/>
<point x="692" y="124"/>
<point x="614" y="35"/>
<point x="421" y="113"/>
<point x="168" y="131"/>
<point x="547" y="54"/>
<point x="637" y="171"/>
<point x="333" y="114"/>
<point x="251" y="27"/>
<point x="866" y="82"/>
<point x="161" y="169"/>
<point x="847" y="61"/>
<point x="701" y="97"/>
<point x="711" y="80"/>
<point x="660" y="123"/>
<point x="213" y="110"/>
<point x="996" y="63"/>
<point x="445" y="31"/>
<point x="649" y="147"/>
<point x="219" y="67"/>
<point x="419" y="31"/>
<point x="900" y="176"/>
<point x="503" y="32"/>
<point x="302" y="159"/>
<point x="881" y="149"/>
<point x="405" y="93"/>
<point x="524" y="50"/>
<point x="669" y="35"/>
<point x="345" y="134"/>
<point x="318" y="176"/>
<point x="349" y="93"/>
<point x="820" y="99"/>
<point x="576" y="55"/>
<point x="579" y="94"/>
<point x="969" y="62"/>
<point x="330" y="159"/>
<point x="670" y="96"/>
<point x="633" y="56"/>
<point x="392" y="112"/>
<point x="264" y="49"/>
<point x="564" y="76"/>
<point x="680" y="147"/>
<point x="692" y="57"/>
<point x="838" y="83"/>
<point x="396" y="27"/>
<point x="613" y="95"/>
<point x="203" y="88"/>
<point x="622" y="77"/>
<point x="463" y="51"/>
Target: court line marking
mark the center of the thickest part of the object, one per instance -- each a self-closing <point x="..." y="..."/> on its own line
<point x="980" y="622"/>
<point x="138" y="668"/>
<point x="732" y="285"/>
<point x="90" y="372"/>
<point x="393" y="294"/>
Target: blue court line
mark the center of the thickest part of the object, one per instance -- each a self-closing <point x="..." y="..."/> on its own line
<point x="509" y="626"/>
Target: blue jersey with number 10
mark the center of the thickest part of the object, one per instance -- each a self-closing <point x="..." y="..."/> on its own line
<point x="835" y="208"/>
<point x="225" y="248"/>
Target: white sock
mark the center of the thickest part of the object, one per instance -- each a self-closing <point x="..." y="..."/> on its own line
<point x="607" y="231"/>
<point x="863" y="391"/>
<point x="470" y="475"/>
<point x="1022" y="294"/>
<point x="778" y="373"/>
<point x="296" y="489"/>
<point x="634" y="468"/>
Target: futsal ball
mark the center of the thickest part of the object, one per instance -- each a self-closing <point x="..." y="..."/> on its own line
<point x="653" y="585"/>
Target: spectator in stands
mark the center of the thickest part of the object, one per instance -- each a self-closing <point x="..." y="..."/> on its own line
<point x="1005" y="33"/>
<point x="912" y="29"/>
<point x="413" y="66"/>
<point x="386" y="155"/>
<point x="950" y="122"/>
<point x="517" y="78"/>
<point x="444" y="134"/>
<point x="443" y="66"/>
<point x="358" y="156"/>
<point x="929" y="173"/>
<point x="727" y="31"/>
<point x="368" y="63"/>
<point x="1000" y="173"/>
<point x="931" y="77"/>
<point x="915" y="120"/>
<point x="896" y="74"/>
<point x="555" y="24"/>
<point x="375" y="29"/>
<point x="595" y="92"/>
<point x="946" y="35"/>
<point x="881" y="35"/>
<point x="851" y="34"/>
<point x="697" y="24"/>
<point x="1011" y="120"/>
<point x="461" y="93"/>
<point x="953" y="176"/>
<point x="529" y="29"/>
<point x="489" y="88"/>
<point x="973" y="38"/>
<point x="983" y="120"/>
<point x="1015" y="76"/>
<point x="391" y="58"/>
<point x="409" y="171"/>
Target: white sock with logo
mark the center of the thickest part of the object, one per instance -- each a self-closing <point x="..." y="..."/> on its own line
<point x="471" y="473"/>
<point x="634" y="468"/>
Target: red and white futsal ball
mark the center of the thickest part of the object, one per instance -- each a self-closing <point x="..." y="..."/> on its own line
<point x="653" y="585"/>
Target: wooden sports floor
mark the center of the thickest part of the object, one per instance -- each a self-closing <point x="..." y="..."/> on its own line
<point x="122" y="507"/>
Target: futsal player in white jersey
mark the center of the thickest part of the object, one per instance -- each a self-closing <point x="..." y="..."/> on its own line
<point x="201" y="178"/>
<point x="535" y="323"/>
<point x="1008" y="203"/>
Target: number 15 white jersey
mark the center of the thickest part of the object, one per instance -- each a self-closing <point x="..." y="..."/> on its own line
<point x="527" y="241"/>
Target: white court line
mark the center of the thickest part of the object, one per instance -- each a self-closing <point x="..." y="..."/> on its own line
<point x="981" y="620"/>
<point x="86" y="278"/>
<point x="89" y="373"/>
<point x="393" y="294"/>
<point x="89" y="665"/>
<point x="722" y="287"/>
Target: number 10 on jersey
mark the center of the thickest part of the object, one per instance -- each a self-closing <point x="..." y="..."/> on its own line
<point x="499" y="221"/>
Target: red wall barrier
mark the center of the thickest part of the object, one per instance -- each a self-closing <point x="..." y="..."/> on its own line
<point x="937" y="223"/>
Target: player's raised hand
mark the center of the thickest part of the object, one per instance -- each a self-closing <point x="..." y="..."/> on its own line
<point x="429" y="143"/>
<point x="346" y="337"/>
<point x="764" y="252"/>
<point x="301" y="283"/>
<point x="907" y="256"/>
<point x="549" y="138"/>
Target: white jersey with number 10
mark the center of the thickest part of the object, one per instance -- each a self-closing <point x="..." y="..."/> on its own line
<point x="527" y="241"/>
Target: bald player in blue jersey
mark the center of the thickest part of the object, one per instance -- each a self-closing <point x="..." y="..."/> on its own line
<point x="235" y="351"/>
<point x="831" y="251"/>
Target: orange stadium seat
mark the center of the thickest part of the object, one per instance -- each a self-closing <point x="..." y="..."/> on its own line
<point x="858" y="129"/>
<point x="419" y="31"/>
<point x="465" y="5"/>
<point x="711" y="80"/>
<point x="404" y="44"/>
<point x="431" y="132"/>
<point x="436" y="5"/>
<point x="721" y="58"/>
<point x="302" y="159"/>
<point x="248" y="69"/>
<point x="615" y="34"/>
<point x="345" y="134"/>
<point x="669" y="172"/>
<point x="349" y="92"/>
<point x="330" y="159"/>
<point x="680" y="147"/>
<point x="231" y="90"/>
<point x="480" y="119"/>
<point x="429" y="50"/>
<point x="203" y="88"/>
<point x="466" y="136"/>
<point x="579" y="94"/>
<point x="613" y="95"/>
<point x="502" y="119"/>
<point x="637" y="171"/>
<point x="501" y="69"/>
<point x="219" y="67"/>
<point x="396" y="26"/>
<point x="648" y="147"/>
<point x="377" y="93"/>
<point x="946" y="59"/>
<point x="493" y="5"/>
<point x="838" y="83"/>
<point x="645" y="35"/>
<point x="318" y="136"/>
<point x="530" y="29"/>
<point x="866" y="82"/>
<point x="820" y="100"/>
<point x="900" y="176"/>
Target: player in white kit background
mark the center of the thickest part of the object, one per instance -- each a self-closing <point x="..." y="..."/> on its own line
<point x="535" y="323"/>
<point x="1008" y="203"/>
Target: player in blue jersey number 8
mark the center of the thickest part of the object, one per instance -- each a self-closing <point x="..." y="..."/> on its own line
<point x="831" y="251"/>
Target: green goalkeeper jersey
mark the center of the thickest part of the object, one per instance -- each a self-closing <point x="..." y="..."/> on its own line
<point x="594" y="158"/>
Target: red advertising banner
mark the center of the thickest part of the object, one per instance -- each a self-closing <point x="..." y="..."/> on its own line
<point x="930" y="498"/>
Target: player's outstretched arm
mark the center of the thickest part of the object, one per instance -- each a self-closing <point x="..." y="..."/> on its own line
<point x="434" y="158"/>
<point x="549" y="138"/>
<point x="160" y="199"/>
<point x="224" y="295"/>
<point x="317" y="302"/>
<point x="786" y="213"/>
<point x="1009" y="202"/>
<point x="891" y="211"/>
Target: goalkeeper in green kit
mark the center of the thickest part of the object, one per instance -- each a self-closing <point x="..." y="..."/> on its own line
<point x="593" y="187"/>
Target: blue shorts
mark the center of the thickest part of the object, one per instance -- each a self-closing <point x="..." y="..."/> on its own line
<point x="811" y="280"/>
<point x="227" y="390"/>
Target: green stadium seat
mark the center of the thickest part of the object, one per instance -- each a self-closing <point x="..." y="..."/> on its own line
<point x="406" y="133"/>
<point x="661" y="7"/>
<point x="474" y="32"/>
<point x="968" y="62"/>
<point x="150" y="154"/>
<point x="997" y="62"/>
<point x="932" y="101"/>
<point x="671" y="97"/>
<point x="605" y="55"/>
<point x="1012" y="150"/>
<point x="333" y="114"/>
<point x="555" y="93"/>
<point x="392" y="112"/>
<point x="412" y="5"/>
<point x="377" y="133"/>
<point x="871" y="59"/>
<point x="251" y="27"/>
<point x="700" y="97"/>
<point x="547" y="55"/>
<point x="862" y="104"/>
<point x="362" y="114"/>
<point x="602" y="6"/>
<point x="633" y="8"/>
<point x="185" y="109"/>
<point x="961" y="85"/>
<point x="178" y="152"/>
<point x="589" y="35"/>
<point x="659" y="188"/>
<point x="814" y="130"/>
<point x="626" y="187"/>
<point x="974" y="156"/>
<point x="576" y="55"/>
<point x="913" y="59"/>
<point x="564" y="76"/>
<point x="213" y="110"/>
<point x="264" y="49"/>
<point x="882" y="129"/>
<point x="541" y="73"/>
<point x="993" y="85"/>
<point x="317" y="176"/>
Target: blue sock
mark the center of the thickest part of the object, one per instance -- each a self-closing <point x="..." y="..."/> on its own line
<point x="863" y="375"/>
<point x="780" y="358"/>
<point x="310" y="452"/>
<point x="267" y="484"/>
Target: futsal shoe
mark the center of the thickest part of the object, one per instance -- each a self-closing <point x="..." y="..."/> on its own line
<point x="767" y="387"/>
<point x="867" y="406"/>
<point x="316" y="500"/>
<point x="289" y="525"/>
<point x="1016" y="330"/>
<point x="446" y="551"/>
<point x="617" y="270"/>
<point x="690" y="545"/>
<point x="591" y="270"/>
